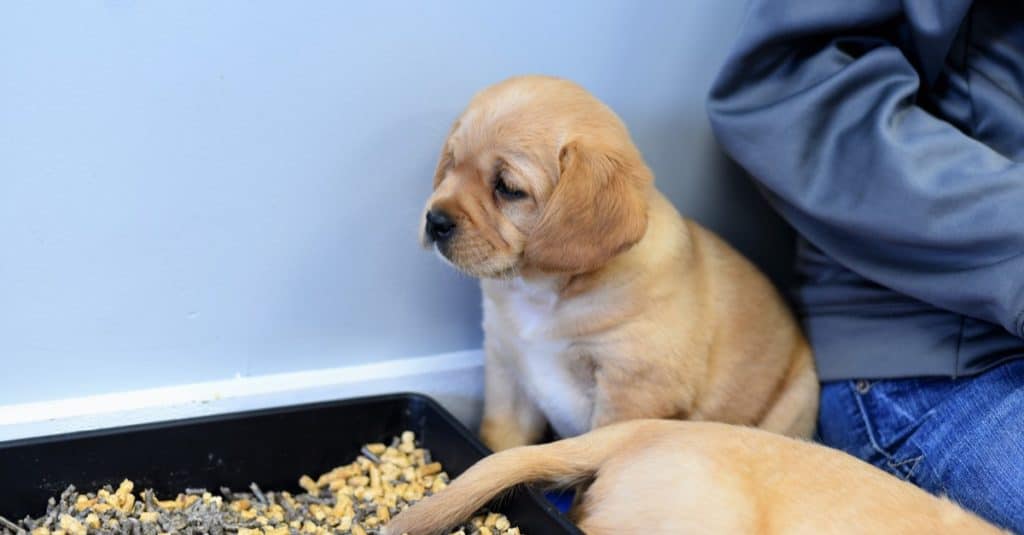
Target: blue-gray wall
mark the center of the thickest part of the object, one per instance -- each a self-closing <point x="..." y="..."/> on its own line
<point x="194" y="190"/>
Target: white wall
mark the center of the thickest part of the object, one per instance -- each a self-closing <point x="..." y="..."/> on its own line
<point x="191" y="191"/>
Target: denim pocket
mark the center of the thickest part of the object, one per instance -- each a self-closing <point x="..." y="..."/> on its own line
<point x="907" y="463"/>
<point x="896" y="409"/>
<point x="875" y="421"/>
<point x="892" y="410"/>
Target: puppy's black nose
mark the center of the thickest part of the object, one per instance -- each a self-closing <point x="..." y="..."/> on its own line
<point x="440" y="227"/>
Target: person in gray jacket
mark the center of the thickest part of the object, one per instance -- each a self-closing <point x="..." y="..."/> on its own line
<point x="890" y="135"/>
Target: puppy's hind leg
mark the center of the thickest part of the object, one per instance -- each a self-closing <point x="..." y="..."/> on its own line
<point x="667" y="488"/>
<point x="795" y="411"/>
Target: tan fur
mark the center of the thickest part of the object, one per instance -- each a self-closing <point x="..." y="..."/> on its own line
<point x="671" y="477"/>
<point x="597" y="209"/>
<point x="601" y="303"/>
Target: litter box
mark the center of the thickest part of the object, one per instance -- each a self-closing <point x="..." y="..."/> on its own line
<point x="270" y="447"/>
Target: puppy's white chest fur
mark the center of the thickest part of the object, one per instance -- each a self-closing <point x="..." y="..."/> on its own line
<point x="554" y="374"/>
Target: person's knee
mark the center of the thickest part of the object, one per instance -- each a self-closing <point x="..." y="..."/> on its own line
<point x="981" y="465"/>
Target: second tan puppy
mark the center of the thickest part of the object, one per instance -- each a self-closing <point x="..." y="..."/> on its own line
<point x="665" y="477"/>
<point x="600" y="302"/>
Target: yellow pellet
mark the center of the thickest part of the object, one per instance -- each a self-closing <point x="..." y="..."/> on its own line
<point x="430" y="469"/>
<point x="71" y="525"/>
<point x="358" y="481"/>
<point x="125" y="488"/>
<point x="309" y="485"/>
<point x="170" y="505"/>
<point x="128" y="503"/>
<point x="82" y="503"/>
<point x="374" y="477"/>
<point x="409" y="474"/>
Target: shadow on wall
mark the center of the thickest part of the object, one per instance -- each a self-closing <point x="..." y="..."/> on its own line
<point x="708" y="187"/>
<point x="761" y="235"/>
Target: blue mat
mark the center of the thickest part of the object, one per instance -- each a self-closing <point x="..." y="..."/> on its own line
<point x="562" y="499"/>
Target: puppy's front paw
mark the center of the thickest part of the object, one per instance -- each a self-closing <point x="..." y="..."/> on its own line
<point x="501" y="435"/>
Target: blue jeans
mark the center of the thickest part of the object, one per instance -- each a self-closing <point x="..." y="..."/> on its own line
<point x="963" y="438"/>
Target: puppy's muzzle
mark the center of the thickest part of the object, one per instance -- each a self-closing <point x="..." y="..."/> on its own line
<point x="440" y="226"/>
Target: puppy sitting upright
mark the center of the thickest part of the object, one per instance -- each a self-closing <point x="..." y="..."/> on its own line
<point x="601" y="303"/>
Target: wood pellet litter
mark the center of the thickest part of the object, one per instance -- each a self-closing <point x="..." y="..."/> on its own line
<point x="355" y="499"/>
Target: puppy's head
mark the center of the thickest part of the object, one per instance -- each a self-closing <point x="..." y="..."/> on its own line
<point x="536" y="174"/>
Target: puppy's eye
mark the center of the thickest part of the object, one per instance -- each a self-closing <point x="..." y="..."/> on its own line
<point x="505" y="191"/>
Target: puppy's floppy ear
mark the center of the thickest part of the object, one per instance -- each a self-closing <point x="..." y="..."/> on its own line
<point x="597" y="210"/>
<point x="445" y="161"/>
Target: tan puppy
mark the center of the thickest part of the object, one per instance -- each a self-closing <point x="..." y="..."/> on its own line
<point x="600" y="302"/>
<point x="661" y="476"/>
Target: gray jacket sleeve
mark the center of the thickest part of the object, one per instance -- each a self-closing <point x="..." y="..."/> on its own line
<point x="819" y="106"/>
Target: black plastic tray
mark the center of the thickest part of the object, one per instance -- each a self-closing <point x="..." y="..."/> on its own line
<point x="270" y="447"/>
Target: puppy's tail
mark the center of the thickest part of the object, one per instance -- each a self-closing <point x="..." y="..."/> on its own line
<point x="562" y="463"/>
